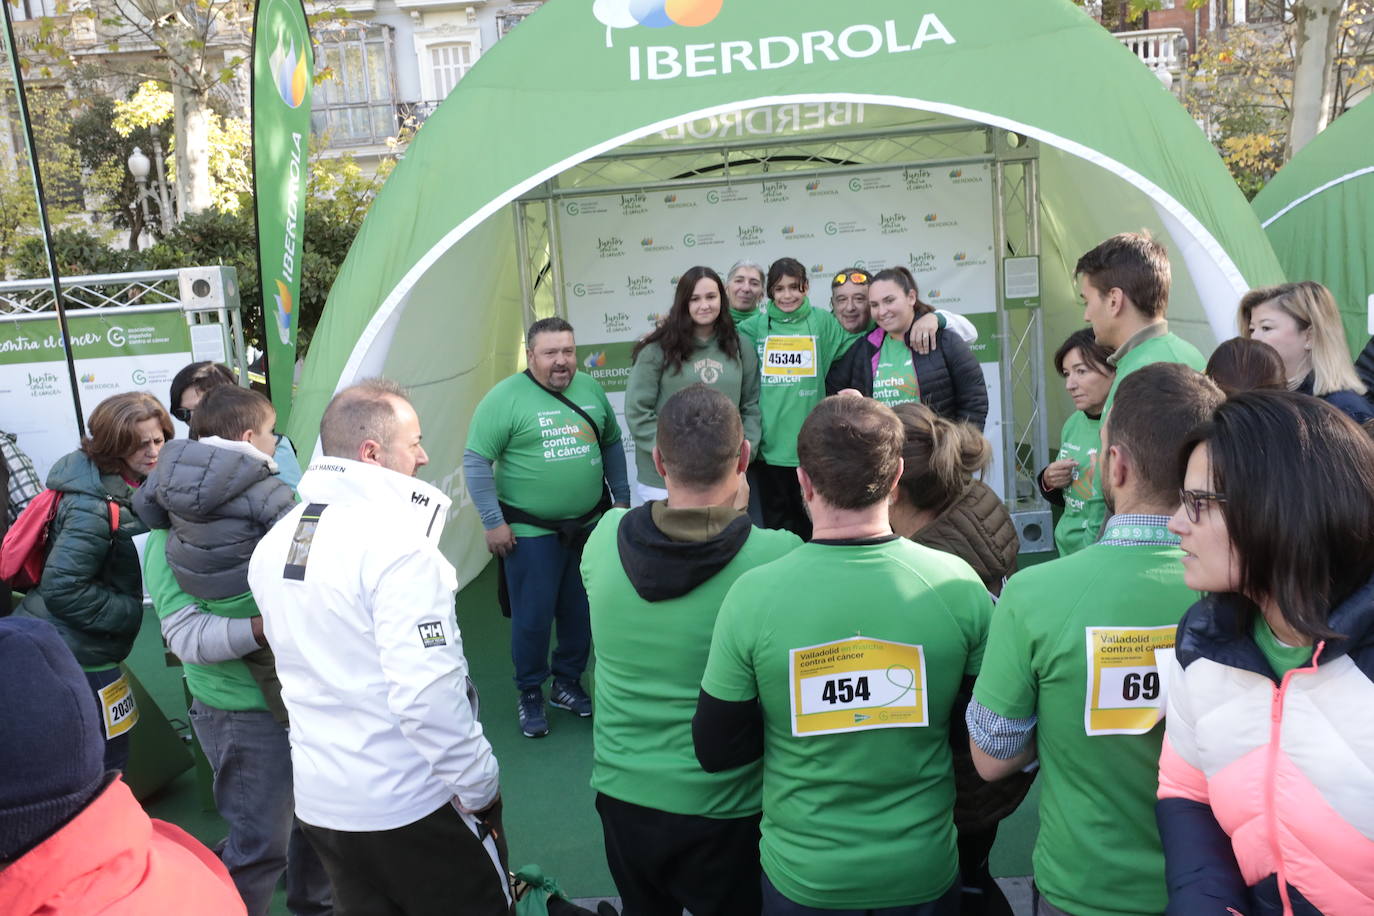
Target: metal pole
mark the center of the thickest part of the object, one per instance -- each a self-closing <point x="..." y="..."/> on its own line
<point x="43" y="218"/>
<point x="166" y="215"/>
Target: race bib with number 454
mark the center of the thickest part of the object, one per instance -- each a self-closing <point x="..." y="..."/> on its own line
<point x="1125" y="693"/>
<point x="857" y="683"/>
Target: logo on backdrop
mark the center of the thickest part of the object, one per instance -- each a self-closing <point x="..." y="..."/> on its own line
<point x="116" y="337"/>
<point x="655" y="14"/>
<point x="595" y="360"/>
<point x="290" y="72"/>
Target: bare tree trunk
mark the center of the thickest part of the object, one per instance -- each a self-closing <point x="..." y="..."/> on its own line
<point x="1318" y="25"/>
<point x="192" y="122"/>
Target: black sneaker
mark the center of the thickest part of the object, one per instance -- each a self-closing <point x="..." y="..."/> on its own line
<point x="533" y="722"/>
<point x="569" y="695"/>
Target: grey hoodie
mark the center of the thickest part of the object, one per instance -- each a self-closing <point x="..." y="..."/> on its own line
<point x="218" y="501"/>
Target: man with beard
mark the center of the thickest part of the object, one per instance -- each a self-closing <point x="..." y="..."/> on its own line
<point x="542" y="449"/>
<point x="1070" y="673"/>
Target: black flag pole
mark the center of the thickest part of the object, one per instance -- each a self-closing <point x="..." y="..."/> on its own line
<point x="43" y="215"/>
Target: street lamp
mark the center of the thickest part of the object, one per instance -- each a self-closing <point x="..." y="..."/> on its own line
<point x="139" y="166"/>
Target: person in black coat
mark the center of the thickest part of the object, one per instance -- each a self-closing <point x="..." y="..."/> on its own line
<point x="882" y="366"/>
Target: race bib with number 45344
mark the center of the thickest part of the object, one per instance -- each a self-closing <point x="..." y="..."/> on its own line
<point x="789" y="357"/>
<point x="857" y="683"/>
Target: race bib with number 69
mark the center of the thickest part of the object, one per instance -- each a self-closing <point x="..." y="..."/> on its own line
<point x="1125" y="694"/>
<point x="117" y="707"/>
<point x="792" y="357"/>
<point x="857" y="683"/>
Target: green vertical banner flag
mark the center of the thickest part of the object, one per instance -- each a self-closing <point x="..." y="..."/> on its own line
<point x="283" y="78"/>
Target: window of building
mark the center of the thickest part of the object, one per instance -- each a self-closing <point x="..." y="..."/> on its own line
<point x="515" y="14"/>
<point x="448" y="64"/>
<point x="33" y="9"/>
<point x="357" y="106"/>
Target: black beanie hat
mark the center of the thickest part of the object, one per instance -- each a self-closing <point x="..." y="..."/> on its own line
<point x="51" y="744"/>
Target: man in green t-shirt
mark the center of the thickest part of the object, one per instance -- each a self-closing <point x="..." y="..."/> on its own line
<point x="676" y="837"/>
<point x="839" y="665"/>
<point x="543" y="447"/>
<point x="1124" y="283"/>
<point x="1070" y="669"/>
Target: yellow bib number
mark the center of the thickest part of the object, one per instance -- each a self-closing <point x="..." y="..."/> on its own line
<point x="857" y="683"/>
<point x="789" y="357"/>
<point x="1125" y="694"/>
<point x="117" y="707"/>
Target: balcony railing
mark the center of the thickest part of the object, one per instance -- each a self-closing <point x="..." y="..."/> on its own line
<point x="1158" y="49"/>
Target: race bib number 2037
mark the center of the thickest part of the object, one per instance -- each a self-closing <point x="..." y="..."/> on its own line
<point x="857" y="683"/>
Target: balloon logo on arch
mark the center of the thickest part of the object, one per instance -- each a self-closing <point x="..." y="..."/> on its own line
<point x="655" y="14"/>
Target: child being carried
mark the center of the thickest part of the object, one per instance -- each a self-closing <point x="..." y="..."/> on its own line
<point x="218" y="494"/>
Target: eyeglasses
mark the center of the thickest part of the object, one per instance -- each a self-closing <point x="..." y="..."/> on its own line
<point x="857" y="276"/>
<point x="182" y="413"/>
<point x="1193" y="499"/>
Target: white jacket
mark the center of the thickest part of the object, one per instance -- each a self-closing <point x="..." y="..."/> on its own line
<point x="360" y="615"/>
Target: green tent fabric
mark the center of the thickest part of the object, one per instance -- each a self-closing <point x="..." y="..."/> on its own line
<point x="1318" y="212"/>
<point x="430" y="292"/>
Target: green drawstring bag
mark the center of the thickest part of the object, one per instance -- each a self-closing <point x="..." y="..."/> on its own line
<point x="533" y="890"/>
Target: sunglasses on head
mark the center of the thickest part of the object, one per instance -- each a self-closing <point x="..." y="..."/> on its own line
<point x="854" y="276"/>
<point x="182" y="413"/>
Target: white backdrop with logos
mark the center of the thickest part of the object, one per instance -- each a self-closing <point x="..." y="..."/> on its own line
<point x="621" y="254"/>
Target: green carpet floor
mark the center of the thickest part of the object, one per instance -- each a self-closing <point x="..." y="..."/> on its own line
<point x="549" y="815"/>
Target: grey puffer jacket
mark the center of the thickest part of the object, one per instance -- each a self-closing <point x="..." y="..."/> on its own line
<point x="218" y="503"/>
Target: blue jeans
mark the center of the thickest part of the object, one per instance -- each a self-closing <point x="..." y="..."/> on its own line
<point x="117" y="748"/>
<point x="545" y="585"/>
<point x="251" y="759"/>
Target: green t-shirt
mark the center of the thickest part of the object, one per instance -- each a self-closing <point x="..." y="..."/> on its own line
<point x="741" y="317"/>
<point x="1098" y="851"/>
<point x="857" y="813"/>
<point x="224" y="685"/>
<point x="795" y="349"/>
<point x="1281" y="657"/>
<point x="894" y="381"/>
<point x="1084" y="508"/>
<point x="548" y="462"/>
<point x="649" y="660"/>
<point x="1167" y="348"/>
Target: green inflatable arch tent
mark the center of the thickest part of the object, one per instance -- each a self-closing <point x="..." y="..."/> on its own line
<point x="603" y="148"/>
<point x="1318" y="212"/>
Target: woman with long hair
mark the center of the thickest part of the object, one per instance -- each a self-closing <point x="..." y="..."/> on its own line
<point x="696" y="344"/>
<point x="882" y="365"/>
<point x="941" y="502"/>
<point x="1068" y="480"/>
<point x="91" y="588"/>
<point x="1267" y="772"/>
<point x="1301" y="322"/>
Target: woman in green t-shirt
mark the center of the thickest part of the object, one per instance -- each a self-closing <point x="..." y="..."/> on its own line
<point x="1068" y="480"/>
<point x="882" y="365"/>
<point x="696" y="344"/>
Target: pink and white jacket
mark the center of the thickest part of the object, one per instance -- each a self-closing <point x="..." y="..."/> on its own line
<point x="1266" y="786"/>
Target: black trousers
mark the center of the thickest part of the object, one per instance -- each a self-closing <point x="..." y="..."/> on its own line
<point x="780" y="499"/>
<point x="436" y="866"/>
<point x="664" y="863"/>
